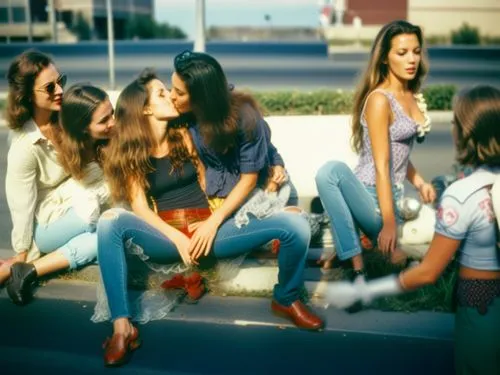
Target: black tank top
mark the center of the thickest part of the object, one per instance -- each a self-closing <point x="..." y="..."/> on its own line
<point x="175" y="189"/>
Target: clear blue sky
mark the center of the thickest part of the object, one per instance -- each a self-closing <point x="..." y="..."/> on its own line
<point x="239" y="13"/>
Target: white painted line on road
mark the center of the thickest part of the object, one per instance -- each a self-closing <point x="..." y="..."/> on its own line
<point x="245" y="323"/>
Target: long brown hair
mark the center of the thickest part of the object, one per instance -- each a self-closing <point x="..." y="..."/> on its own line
<point x="477" y="126"/>
<point x="21" y="77"/>
<point x="126" y="159"/>
<point x="76" y="146"/>
<point x="216" y="106"/>
<point x="377" y="71"/>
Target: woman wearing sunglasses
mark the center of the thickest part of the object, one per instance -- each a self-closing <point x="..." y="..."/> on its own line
<point x="232" y="141"/>
<point x="42" y="199"/>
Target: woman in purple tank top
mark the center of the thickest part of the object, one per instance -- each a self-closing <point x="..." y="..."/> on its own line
<point x="389" y="115"/>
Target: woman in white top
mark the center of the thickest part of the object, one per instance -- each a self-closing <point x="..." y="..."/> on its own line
<point x="38" y="188"/>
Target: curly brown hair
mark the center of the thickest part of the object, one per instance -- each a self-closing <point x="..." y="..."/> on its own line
<point x="476" y="126"/>
<point x="75" y="145"/>
<point x="126" y="160"/>
<point x="21" y="77"/>
<point x="376" y="72"/>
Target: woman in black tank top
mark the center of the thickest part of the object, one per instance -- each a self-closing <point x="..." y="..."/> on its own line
<point x="148" y="158"/>
<point x="152" y="166"/>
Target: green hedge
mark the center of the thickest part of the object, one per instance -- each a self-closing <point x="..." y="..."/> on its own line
<point x="438" y="97"/>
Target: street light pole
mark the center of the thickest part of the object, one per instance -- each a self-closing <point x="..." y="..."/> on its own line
<point x="29" y="22"/>
<point x="111" y="47"/>
<point x="9" y="18"/>
<point x="52" y="19"/>
<point x="199" y="41"/>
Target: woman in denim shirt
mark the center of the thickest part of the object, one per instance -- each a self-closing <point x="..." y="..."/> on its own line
<point x="232" y="141"/>
<point x="466" y="223"/>
<point x="388" y="117"/>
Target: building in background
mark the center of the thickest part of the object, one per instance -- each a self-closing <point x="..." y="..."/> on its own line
<point x="361" y="19"/>
<point x="71" y="15"/>
<point x="438" y="17"/>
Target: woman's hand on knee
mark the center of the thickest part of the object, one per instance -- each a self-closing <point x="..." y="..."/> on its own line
<point x="182" y="243"/>
<point x="203" y="238"/>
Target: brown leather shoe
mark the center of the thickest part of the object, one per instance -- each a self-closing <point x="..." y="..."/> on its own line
<point x="117" y="349"/>
<point x="299" y="314"/>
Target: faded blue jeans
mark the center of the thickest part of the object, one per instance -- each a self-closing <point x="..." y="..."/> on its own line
<point x="117" y="226"/>
<point x="350" y="206"/>
<point x="76" y="239"/>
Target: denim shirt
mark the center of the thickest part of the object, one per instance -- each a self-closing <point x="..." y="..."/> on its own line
<point x="250" y="155"/>
<point x="465" y="213"/>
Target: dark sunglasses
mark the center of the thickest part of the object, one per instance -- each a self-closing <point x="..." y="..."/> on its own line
<point x="50" y="88"/>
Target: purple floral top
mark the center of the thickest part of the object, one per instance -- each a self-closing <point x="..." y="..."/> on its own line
<point x="402" y="134"/>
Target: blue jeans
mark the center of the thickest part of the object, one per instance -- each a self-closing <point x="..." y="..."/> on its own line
<point x="76" y="239"/>
<point x="117" y="226"/>
<point x="293" y="200"/>
<point x="350" y="205"/>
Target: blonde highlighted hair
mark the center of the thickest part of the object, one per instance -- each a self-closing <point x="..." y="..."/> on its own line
<point x="378" y="70"/>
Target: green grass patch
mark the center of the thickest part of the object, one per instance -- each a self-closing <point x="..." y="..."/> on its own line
<point x="438" y="297"/>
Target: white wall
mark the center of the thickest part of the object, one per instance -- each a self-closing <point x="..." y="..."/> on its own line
<point x="439" y="17"/>
<point x="306" y="143"/>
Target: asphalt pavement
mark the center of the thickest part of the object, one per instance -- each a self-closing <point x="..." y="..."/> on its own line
<point x="265" y="71"/>
<point x="221" y="335"/>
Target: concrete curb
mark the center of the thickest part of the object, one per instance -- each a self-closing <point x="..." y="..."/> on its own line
<point x="251" y="311"/>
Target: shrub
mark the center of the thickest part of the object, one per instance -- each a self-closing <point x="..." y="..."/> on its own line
<point x="305" y="103"/>
<point x="466" y="35"/>
<point x="324" y="102"/>
<point x="82" y="28"/>
<point x="439" y="97"/>
<point x="491" y="40"/>
<point x="144" y="27"/>
<point x="436" y="40"/>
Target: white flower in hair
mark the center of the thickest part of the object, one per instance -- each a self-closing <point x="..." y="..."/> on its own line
<point x="423" y="129"/>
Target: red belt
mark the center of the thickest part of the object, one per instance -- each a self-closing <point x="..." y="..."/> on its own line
<point x="182" y="218"/>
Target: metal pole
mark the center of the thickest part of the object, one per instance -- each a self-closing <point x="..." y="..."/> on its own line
<point x="9" y="18"/>
<point x="111" y="48"/>
<point x="52" y="19"/>
<point x="28" y="20"/>
<point x="199" y="41"/>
